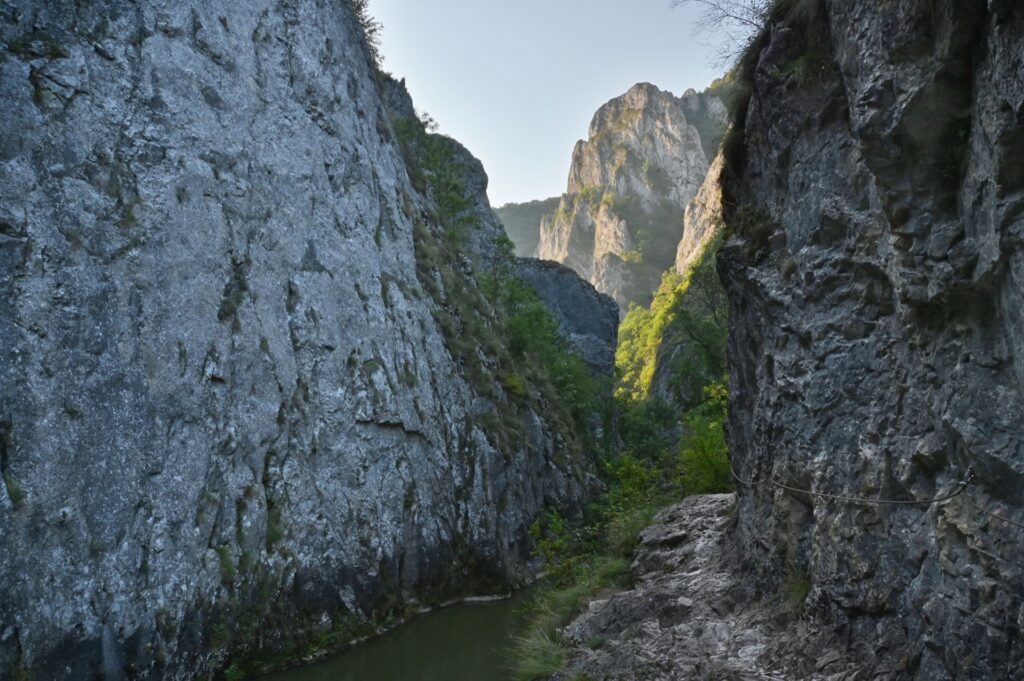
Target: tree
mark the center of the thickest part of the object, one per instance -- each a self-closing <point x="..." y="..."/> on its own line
<point x="730" y="23"/>
<point x="371" y="29"/>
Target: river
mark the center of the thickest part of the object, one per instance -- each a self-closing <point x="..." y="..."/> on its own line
<point x="467" y="642"/>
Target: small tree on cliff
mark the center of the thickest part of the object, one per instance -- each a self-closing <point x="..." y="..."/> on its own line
<point x="730" y="23"/>
<point x="371" y="28"/>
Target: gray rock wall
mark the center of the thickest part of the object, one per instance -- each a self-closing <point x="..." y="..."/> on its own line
<point x="229" y="418"/>
<point x="646" y="155"/>
<point x="589" y="319"/>
<point x="875" y="201"/>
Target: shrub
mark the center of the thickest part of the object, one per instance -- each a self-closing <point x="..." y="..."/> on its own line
<point x="689" y="315"/>
<point x="514" y="384"/>
<point x="797" y="588"/>
<point x="371" y="29"/>
<point x="14" y="490"/>
<point x="704" y="457"/>
<point x="227" y="566"/>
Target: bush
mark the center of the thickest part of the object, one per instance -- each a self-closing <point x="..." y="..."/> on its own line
<point x="689" y="316"/>
<point x="227" y="566"/>
<point x="14" y="490"/>
<point x="514" y="385"/>
<point x="703" y="456"/>
<point x="371" y="29"/>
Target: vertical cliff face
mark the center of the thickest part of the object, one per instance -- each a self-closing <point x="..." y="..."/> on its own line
<point x="233" y="409"/>
<point x="875" y="274"/>
<point x="646" y="156"/>
<point x="702" y="221"/>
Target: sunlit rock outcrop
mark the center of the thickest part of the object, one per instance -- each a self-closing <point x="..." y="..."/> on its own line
<point x="619" y="223"/>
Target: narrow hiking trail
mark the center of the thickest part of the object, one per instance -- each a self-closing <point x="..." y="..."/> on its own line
<point x="694" y="615"/>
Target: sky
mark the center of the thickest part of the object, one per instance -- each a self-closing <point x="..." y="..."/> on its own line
<point x="517" y="82"/>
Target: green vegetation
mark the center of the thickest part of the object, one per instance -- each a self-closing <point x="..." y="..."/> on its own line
<point x="37" y="45"/>
<point x="371" y="29"/>
<point x="227" y="566"/>
<point x="522" y="222"/>
<point x="14" y="490"/>
<point x="797" y="588"/>
<point x="594" y="196"/>
<point x="538" y="652"/>
<point x="634" y="257"/>
<point x="670" y="445"/>
<point x="688" y="318"/>
<point x="235" y="291"/>
<point x="19" y="672"/>
<point x="657" y="231"/>
<point x="495" y="326"/>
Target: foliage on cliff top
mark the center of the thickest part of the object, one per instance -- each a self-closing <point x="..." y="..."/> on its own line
<point x="505" y="338"/>
<point x="681" y="335"/>
<point x="371" y="29"/>
<point x="522" y="222"/>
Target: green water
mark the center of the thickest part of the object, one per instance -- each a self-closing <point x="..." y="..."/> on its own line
<point x="462" y="643"/>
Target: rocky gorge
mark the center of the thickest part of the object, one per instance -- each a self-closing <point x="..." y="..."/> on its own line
<point x="871" y="208"/>
<point x="874" y="279"/>
<point x="273" y="378"/>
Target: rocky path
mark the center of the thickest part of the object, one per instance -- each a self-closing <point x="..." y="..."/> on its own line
<point x="693" y="616"/>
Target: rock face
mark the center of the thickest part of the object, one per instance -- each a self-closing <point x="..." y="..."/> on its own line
<point x="875" y="274"/>
<point x="702" y="221"/>
<point x="691" y="614"/>
<point x="230" y="418"/>
<point x="588" y="319"/>
<point x="646" y="156"/>
<point x="522" y="223"/>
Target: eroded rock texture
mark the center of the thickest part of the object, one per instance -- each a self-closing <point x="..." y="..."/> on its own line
<point x="647" y="154"/>
<point x="702" y="221"/>
<point x="692" y="614"/>
<point x="587" y="318"/>
<point x="876" y="199"/>
<point x="228" y="415"/>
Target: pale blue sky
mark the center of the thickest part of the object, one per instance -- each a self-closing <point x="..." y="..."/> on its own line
<point x="517" y="81"/>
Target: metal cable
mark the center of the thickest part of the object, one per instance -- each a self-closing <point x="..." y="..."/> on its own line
<point x="860" y="500"/>
<point x="742" y="481"/>
<point x="990" y="513"/>
<point x="961" y="488"/>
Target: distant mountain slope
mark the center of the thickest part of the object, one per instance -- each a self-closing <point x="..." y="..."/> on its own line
<point x="522" y="223"/>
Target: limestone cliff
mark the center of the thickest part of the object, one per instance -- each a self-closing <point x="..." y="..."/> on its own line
<point x="247" y="377"/>
<point x="646" y="156"/>
<point x="702" y="221"/>
<point x="875" y="273"/>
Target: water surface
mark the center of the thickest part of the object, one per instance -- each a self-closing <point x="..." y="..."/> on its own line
<point x="466" y="642"/>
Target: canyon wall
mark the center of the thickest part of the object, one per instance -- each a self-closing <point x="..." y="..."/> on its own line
<point x="237" y="413"/>
<point x="875" y="205"/>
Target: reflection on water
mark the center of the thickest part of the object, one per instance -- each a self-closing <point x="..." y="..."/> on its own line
<point x="462" y="643"/>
